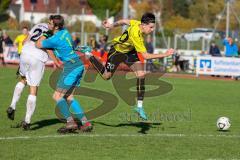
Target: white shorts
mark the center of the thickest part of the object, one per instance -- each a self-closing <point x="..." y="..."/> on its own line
<point x="32" y="69"/>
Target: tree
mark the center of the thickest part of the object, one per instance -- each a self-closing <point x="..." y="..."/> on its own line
<point x="179" y="23"/>
<point x="89" y="27"/>
<point x="205" y="12"/>
<point x="99" y="7"/>
<point x="4" y="4"/>
<point x="141" y="8"/>
<point x="181" y="7"/>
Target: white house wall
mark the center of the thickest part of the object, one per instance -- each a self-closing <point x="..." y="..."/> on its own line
<point x="71" y="19"/>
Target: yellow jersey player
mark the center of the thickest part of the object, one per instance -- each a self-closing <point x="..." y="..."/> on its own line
<point x="18" y="42"/>
<point x="129" y="48"/>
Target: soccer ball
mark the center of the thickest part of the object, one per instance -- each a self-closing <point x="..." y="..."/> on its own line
<point x="223" y="123"/>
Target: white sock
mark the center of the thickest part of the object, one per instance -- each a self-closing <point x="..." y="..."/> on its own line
<point x="17" y="94"/>
<point x="139" y="103"/>
<point x="31" y="105"/>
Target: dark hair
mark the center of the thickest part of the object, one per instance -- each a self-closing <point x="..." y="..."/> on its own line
<point x="148" y="18"/>
<point x="58" y="21"/>
<point x="105" y="37"/>
<point x="25" y="27"/>
<point x="51" y="17"/>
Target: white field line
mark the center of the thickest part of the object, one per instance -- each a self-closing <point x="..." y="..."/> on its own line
<point x="119" y="135"/>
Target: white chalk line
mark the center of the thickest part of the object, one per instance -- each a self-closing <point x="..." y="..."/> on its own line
<point x="90" y="135"/>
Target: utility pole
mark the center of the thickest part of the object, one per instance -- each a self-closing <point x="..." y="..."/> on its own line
<point x="125" y="12"/>
<point x="107" y="16"/>
<point x="227" y="18"/>
<point x="82" y="27"/>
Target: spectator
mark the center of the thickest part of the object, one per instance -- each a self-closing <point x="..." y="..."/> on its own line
<point x="1" y="48"/>
<point x="18" y="42"/>
<point x="214" y="50"/>
<point x="176" y="62"/>
<point x="231" y="48"/>
<point x="76" y="40"/>
<point x="93" y="43"/>
<point x="7" y="40"/>
<point x="103" y="44"/>
<point x="203" y="53"/>
<point x="238" y="50"/>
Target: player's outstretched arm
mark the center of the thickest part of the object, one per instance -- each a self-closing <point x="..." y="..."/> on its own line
<point x="38" y="44"/>
<point x="121" y="22"/>
<point x="56" y="61"/>
<point x="45" y="35"/>
<point x="169" y="52"/>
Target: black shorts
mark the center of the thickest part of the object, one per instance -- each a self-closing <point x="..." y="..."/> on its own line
<point x="115" y="58"/>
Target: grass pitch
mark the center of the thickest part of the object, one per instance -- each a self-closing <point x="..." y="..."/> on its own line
<point x="183" y="124"/>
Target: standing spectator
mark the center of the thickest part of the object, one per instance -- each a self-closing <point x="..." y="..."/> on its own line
<point x="176" y="62"/>
<point x="238" y="50"/>
<point x="214" y="50"/>
<point x="7" y="40"/>
<point x="7" y="45"/>
<point x="103" y="44"/>
<point x="231" y="48"/>
<point x="18" y="42"/>
<point x="1" y="48"/>
<point x="76" y="40"/>
<point x="150" y="50"/>
<point x="93" y="43"/>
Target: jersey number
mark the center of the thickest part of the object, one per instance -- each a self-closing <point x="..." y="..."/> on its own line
<point x="36" y="34"/>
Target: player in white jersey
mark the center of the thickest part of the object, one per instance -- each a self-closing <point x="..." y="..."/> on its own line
<point x="32" y="66"/>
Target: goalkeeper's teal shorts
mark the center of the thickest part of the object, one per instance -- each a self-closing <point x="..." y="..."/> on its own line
<point x="71" y="74"/>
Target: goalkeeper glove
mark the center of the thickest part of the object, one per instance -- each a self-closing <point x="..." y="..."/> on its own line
<point x="85" y="50"/>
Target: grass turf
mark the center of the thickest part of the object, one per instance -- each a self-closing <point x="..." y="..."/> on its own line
<point x="183" y="124"/>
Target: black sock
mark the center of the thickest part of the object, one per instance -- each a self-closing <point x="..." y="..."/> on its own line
<point x="140" y="88"/>
<point x="97" y="65"/>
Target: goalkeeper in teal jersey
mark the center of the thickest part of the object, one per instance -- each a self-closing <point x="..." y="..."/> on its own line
<point x="62" y="45"/>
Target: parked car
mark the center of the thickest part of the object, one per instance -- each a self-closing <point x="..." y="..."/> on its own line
<point x="199" y="33"/>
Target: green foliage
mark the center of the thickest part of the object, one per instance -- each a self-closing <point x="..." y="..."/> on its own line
<point x="178" y="23"/>
<point x="99" y="7"/>
<point x="206" y="11"/>
<point x="141" y="8"/>
<point x="89" y="27"/>
<point x="4" y="4"/>
<point x="181" y="7"/>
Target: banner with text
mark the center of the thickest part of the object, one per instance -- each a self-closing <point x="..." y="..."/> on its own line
<point x="218" y="66"/>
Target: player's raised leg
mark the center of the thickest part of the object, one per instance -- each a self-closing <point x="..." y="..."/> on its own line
<point x="113" y="60"/>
